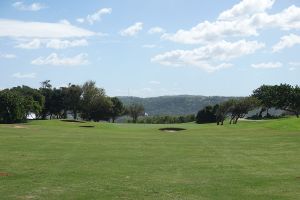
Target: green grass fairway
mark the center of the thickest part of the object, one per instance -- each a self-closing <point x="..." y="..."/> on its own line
<point x="60" y="160"/>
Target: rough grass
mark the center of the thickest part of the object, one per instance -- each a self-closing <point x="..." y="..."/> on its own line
<point x="59" y="160"/>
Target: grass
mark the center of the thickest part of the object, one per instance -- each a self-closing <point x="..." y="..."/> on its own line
<point x="61" y="160"/>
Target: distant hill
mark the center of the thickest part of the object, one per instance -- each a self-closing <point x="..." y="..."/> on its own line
<point x="174" y="105"/>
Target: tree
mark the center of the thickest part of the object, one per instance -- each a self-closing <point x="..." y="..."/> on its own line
<point x="117" y="108"/>
<point x="266" y="95"/>
<point x="95" y="105"/>
<point x="223" y="110"/>
<point x="241" y="107"/>
<point x="135" y="110"/>
<point x="206" y="115"/>
<point x="57" y="106"/>
<point x="100" y="108"/>
<point x="72" y="99"/>
<point x="12" y="107"/>
<point x="46" y="91"/>
<point x="34" y="100"/>
<point x="287" y="98"/>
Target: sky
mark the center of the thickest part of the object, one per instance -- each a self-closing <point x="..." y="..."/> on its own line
<point x="151" y="48"/>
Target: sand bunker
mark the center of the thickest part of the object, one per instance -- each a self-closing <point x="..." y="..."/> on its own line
<point x="18" y="126"/>
<point x="171" y="130"/>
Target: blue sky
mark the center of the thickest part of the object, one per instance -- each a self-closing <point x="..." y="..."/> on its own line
<point x="151" y="48"/>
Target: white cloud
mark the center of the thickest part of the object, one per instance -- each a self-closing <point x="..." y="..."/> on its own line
<point x="52" y="43"/>
<point x="286" y="41"/>
<point x="155" y="30"/>
<point x="21" y="75"/>
<point x="97" y="16"/>
<point x="211" y="57"/>
<point x="62" y="44"/>
<point x="33" y="44"/>
<point x="8" y="56"/>
<point x="15" y="28"/>
<point x="246" y="8"/>
<point x="54" y="59"/>
<point x="149" y="46"/>
<point x="243" y="19"/>
<point x="31" y="7"/>
<point x="80" y="20"/>
<point x="210" y="31"/>
<point x="132" y="30"/>
<point x="269" y="65"/>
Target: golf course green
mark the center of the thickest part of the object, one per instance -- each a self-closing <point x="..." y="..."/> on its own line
<point x="55" y="159"/>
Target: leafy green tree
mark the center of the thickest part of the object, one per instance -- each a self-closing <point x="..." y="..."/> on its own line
<point x="117" y="108"/>
<point x="95" y="105"/>
<point x="266" y="95"/>
<point x="206" y="115"/>
<point x="57" y="106"/>
<point x="34" y="100"/>
<point x="287" y="98"/>
<point x="72" y="99"/>
<point x="12" y="107"/>
<point x="223" y="110"/>
<point x="46" y="91"/>
<point x="101" y="108"/>
<point x="241" y="107"/>
<point x="135" y="110"/>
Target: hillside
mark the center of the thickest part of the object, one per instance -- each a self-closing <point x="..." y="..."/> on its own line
<point x="174" y="105"/>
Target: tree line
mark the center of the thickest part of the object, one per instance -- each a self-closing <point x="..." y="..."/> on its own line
<point x="284" y="97"/>
<point x="87" y="102"/>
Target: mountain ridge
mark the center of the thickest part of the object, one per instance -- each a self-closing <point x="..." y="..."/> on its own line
<point x="174" y="104"/>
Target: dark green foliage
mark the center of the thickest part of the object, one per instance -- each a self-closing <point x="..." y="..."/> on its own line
<point x="12" y="107"/>
<point x="166" y="119"/>
<point x="283" y="96"/>
<point x="207" y="115"/>
<point x="265" y="94"/>
<point x="33" y="99"/>
<point x="72" y="99"/>
<point x="117" y="108"/>
<point x="95" y="105"/>
<point x="239" y="108"/>
<point x="135" y="110"/>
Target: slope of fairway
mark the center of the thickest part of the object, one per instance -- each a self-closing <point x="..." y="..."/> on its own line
<point x="61" y="160"/>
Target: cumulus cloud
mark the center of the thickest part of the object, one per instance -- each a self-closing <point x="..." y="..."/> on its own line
<point x="33" y="44"/>
<point x="24" y="75"/>
<point x="211" y="57"/>
<point x="97" y="16"/>
<point x="268" y="65"/>
<point x="246" y="8"/>
<point x="16" y="28"/>
<point x="31" y="7"/>
<point x="242" y="20"/>
<point x="286" y="41"/>
<point x="52" y="43"/>
<point x="7" y="56"/>
<point x="132" y="30"/>
<point x="54" y="59"/>
<point x="155" y="30"/>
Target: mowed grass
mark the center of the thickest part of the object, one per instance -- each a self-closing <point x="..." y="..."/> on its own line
<point x="61" y="160"/>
